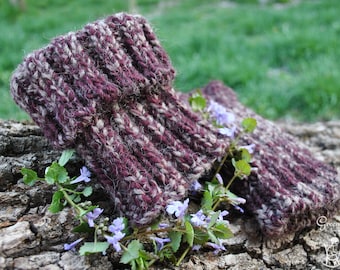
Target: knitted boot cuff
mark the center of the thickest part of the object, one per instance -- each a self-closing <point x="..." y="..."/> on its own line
<point x="289" y="189"/>
<point x="106" y="90"/>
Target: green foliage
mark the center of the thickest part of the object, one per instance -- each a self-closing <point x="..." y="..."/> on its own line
<point x="197" y="102"/>
<point x="222" y="231"/>
<point x="57" y="204"/>
<point x="242" y="167"/>
<point x="135" y="255"/>
<point x="83" y="227"/>
<point x="29" y="176"/>
<point x="87" y="191"/>
<point x="207" y="200"/>
<point x="93" y="247"/>
<point x="65" y="157"/>
<point x="249" y="124"/>
<point x="245" y="156"/>
<point x="176" y="238"/>
<point x="56" y="174"/>
<point x="189" y="233"/>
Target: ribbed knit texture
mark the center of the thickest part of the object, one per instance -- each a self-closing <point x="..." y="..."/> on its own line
<point x="289" y="189"/>
<point x="106" y="91"/>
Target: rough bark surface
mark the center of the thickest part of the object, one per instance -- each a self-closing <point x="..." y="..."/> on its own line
<point x="33" y="238"/>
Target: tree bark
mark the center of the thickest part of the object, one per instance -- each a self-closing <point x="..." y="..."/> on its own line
<point x="32" y="238"/>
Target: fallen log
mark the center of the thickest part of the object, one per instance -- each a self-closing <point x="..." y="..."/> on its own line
<point x="32" y="238"/>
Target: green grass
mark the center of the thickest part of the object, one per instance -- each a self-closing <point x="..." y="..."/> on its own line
<point x="281" y="59"/>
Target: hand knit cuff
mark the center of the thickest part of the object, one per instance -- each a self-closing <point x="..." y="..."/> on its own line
<point x="289" y="189"/>
<point x="106" y="90"/>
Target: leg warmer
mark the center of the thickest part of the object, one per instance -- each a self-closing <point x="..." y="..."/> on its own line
<point x="289" y="189"/>
<point x="106" y="91"/>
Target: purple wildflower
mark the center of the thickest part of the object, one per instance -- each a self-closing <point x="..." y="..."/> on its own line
<point x="222" y="215"/>
<point x="236" y="201"/>
<point x="73" y="244"/>
<point x="199" y="219"/>
<point x="241" y="200"/>
<point x="196" y="247"/>
<point x="160" y="242"/>
<point x="196" y="186"/>
<point x="217" y="247"/>
<point x="85" y="175"/>
<point x="91" y="216"/>
<point x="229" y="132"/>
<point x="178" y="208"/>
<point x="117" y="225"/>
<point x="220" y="114"/>
<point x="239" y="208"/>
<point x="219" y="178"/>
<point x="114" y="240"/>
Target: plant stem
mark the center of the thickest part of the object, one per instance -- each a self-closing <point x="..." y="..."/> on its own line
<point x="221" y="164"/>
<point x="71" y="191"/>
<point x="218" y="203"/>
<point x="231" y="181"/>
<point x="183" y="256"/>
<point x="69" y="200"/>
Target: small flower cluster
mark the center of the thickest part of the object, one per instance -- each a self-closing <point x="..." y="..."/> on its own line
<point x="116" y="229"/>
<point x="171" y="241"/>
<point x="223" y="119"/>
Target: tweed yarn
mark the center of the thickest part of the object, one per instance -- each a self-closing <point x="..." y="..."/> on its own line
<point x="289" y="189"/>
<point x="106" y="90"/>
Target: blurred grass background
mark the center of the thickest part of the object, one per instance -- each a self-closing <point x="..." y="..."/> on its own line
<point x="282" y="57"/>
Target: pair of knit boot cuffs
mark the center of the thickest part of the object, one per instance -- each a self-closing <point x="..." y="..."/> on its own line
<point x="106" y="91"/>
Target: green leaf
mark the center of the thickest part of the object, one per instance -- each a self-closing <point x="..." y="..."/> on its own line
<point x="72" y="196"/>
<point x="201" y="236"/>
<point x="56" y="173"/>
<point x="197" y="102"/>
<point x="77" y="199"/>
<point x="207" y="201"/>
<point x="249" y="124"/>
<point x="214" y="187"/>
<point x="83" y="227"/>
<point x="176" y="238"/>
<point x="231" y="195"/>
<point x="139" y="264"/>
<point x="65" y="156"/>
<point x="144" y="259"/>
<point x="87" y="191"/>
<point x="29" y="176"/>
<point x="245" y="155"/>
<point x="189" y="233"/>
<point x="242" y="166"/>
<point x="222" y="231"/>
<point x="56" y="204"/>
<point x="93" y="247"/>
<point x="212" y="236"/>
<point x="213" y="218"/>
<point x="132" y="252"/>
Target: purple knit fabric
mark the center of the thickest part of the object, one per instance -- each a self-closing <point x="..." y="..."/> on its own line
<point x="289" y="189"/>
<point x="106" y="90"/>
